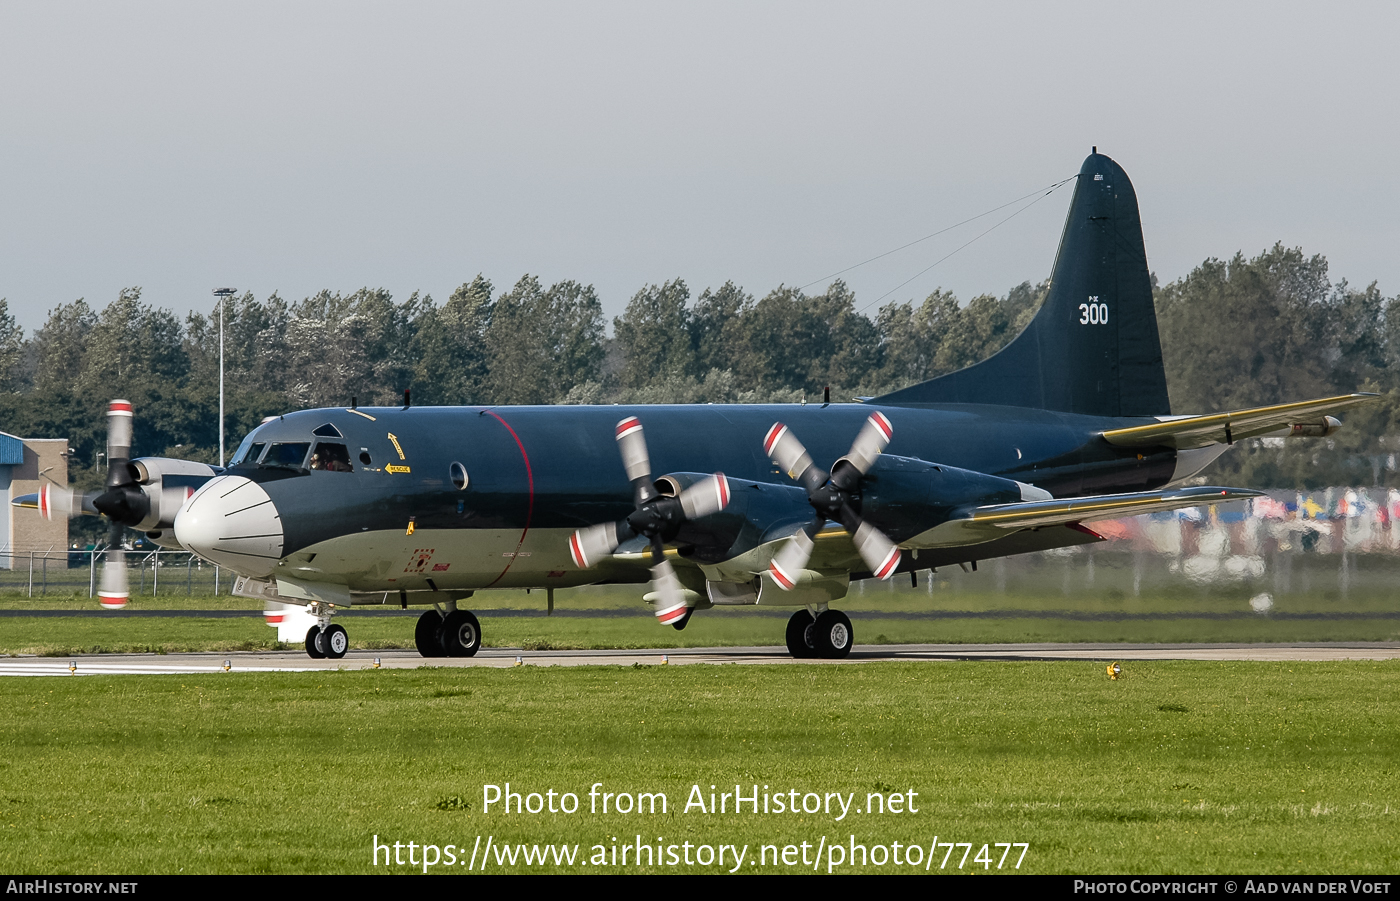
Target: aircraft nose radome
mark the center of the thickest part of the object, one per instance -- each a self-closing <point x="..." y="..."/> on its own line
<point x="231" y="521"/>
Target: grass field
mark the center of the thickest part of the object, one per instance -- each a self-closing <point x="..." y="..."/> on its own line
<point x="1178" y="768"/>
<point x="958" y="607"/>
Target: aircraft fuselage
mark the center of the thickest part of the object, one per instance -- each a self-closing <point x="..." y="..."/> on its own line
<point x="400" y="522"/>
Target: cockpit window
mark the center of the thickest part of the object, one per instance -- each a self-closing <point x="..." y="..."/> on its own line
<point x="327" y="431"/>
<point x="290" y="453"/>
<point x="248" y="454"/>
<point x="331" y="457"/>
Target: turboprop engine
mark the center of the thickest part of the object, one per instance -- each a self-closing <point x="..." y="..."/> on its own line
<point x="143" y="494"/>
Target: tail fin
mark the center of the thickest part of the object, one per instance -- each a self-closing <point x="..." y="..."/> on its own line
<point x="1093" y="346"/>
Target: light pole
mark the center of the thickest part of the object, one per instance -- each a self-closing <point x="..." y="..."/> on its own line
<point x="223" y="294"/>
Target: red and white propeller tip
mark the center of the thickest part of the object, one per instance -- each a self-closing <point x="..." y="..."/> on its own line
<point x="783" y="448"/>
<point x="790" y="560"/>
<point x="670" y="600"/>
<point x="705" y="497"/>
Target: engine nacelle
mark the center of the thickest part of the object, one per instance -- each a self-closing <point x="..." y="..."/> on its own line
<point x="166" y="483"/>
<point x="904" y="496"/>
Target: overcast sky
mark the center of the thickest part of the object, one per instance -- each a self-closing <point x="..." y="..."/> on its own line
<point x="299" y="146"/>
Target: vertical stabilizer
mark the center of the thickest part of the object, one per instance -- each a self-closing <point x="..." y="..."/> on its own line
<point x="1093" y="346"/>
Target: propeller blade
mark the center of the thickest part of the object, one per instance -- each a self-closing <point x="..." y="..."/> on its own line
<point x="783" y="448"/>
<point x="632" y="444"/>
<point x="706" y="497"/>
<point x="55" y="500"/>
<point x="791" y="559"/>
<point x="870" y="443"/>
<point x="588" y="546"/>
<point x="670" y="601"/>
<point x="878" y="552"/>
<point x="118" y="431"/>
<point x="112" y="592"/>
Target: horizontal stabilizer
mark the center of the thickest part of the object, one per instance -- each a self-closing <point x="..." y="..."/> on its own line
<point x="980" y="524"/>
<point x="1306" y="418"/>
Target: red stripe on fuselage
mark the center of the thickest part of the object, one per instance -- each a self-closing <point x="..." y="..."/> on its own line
<point x="530" y="509"/>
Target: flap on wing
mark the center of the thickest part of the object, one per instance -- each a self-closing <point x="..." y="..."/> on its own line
<point x="980" y="524"/>
<point x="1309" y="417"/>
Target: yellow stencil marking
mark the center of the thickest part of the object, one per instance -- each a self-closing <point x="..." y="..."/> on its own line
<point x="396" y="446"/>
<point x="358" y="413"/>
<point x="392" y="468"/>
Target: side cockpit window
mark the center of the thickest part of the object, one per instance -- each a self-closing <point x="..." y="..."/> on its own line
<point x="291" y="454"/>
<point x="331" y="457"/>
<point x="248" y="454"/>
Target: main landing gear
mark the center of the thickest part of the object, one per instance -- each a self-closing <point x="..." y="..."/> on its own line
<point x="439" y="633"/>
<point x="826" y="634"/>
<point x="454" y="634"/>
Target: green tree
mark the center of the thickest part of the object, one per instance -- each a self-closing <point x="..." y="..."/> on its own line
<point x="718" y="331"/>
<point x="61" y="345"/>
<point x="12" y="348"/>
<point x="654" y="335"/>
<point x="449" y="346"/>
<point x="540" y="344"/>
<point x="1246" y="332"/>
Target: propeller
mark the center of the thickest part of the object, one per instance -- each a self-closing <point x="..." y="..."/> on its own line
<point x="657" y="516"/>
<point x="831" y="494"/>
<point x="122" y="501"/>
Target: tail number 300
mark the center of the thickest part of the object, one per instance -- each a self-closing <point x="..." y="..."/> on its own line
<point x="1093" y="312"/>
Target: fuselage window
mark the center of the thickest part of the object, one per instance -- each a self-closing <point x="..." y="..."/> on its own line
<point x="331" y="457"/>
<point x="459" y="476"/>
<point x="290" y="453"/>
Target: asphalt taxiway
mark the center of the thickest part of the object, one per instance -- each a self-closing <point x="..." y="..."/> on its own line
<point x="296" y="661"/>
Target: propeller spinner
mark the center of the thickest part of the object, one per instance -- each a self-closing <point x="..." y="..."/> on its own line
<point x="658" y="517"/>
<point x="831" y="495"/>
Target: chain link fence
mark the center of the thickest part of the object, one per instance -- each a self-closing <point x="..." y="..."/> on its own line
<point x="150" y="572"/>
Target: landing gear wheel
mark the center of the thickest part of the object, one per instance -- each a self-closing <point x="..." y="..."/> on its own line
<point x="800" y="630"/>
<point x="313" y="643"/>
<point x="832" y="635"/>
<point x="334" y="642"/>
<point x="427" y="635"/>
<point x="461" y="634"/>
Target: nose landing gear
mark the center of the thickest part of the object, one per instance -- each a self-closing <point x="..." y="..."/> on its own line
<point x="325" y="640"/>
<point x="331" y="641"/>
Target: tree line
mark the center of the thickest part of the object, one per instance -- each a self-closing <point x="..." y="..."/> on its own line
<point x="1235" y="333"/>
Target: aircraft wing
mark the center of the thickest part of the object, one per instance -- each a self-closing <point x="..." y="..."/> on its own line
<point x="1305" y="418"/>
<point x="978" y="524"/>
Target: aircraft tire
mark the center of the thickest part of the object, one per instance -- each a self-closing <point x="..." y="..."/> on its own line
<point x="800" y="635"/>
<point x="832" y="634"/>
<point x="461" y="634"/>
<point x="313" y="643"/>
<point x="335" y="642"/>
<point x="427" y="635"/>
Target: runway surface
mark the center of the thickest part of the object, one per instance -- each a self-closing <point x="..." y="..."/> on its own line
<point x="297" y="661"/>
